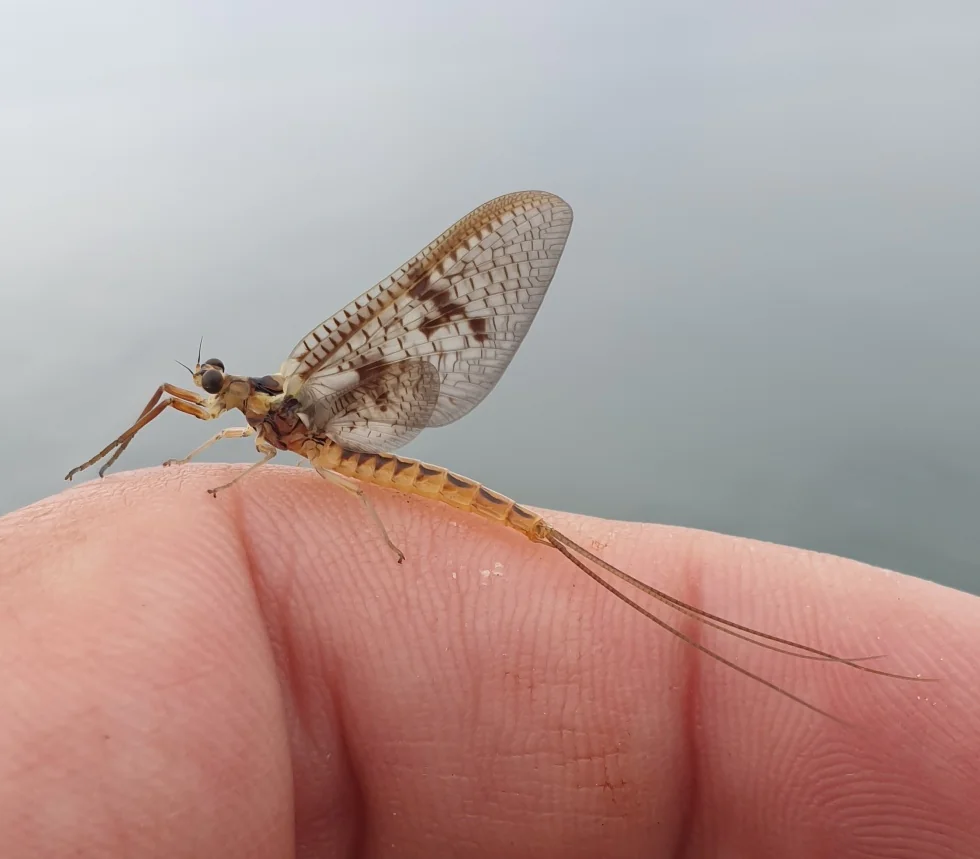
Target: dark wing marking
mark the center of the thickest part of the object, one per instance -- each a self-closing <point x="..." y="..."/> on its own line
<point x="386" y="410"/>
<point x="464" y="304"/>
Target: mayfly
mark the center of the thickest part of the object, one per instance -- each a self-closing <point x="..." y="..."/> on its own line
<point x="421" y="349"/>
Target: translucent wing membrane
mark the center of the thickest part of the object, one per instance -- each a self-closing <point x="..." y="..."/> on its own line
<point x="386" y="409"/>
<point x="462" y="305"/>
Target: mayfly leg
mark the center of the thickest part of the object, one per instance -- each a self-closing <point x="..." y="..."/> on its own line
<point x="180" y="399"/>
<point x="234" y="432"/>
<point x="354" y="489"/>
<point x="267" y="450"/>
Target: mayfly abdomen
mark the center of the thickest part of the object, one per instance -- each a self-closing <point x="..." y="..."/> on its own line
<point x="430" y="481"/>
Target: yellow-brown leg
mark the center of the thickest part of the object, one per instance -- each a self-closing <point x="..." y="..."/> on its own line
<point x="234" y="432"/>
<point x="267" y="451"/>
<point x="183" y="401"/>
<point x="355" y="489"/>
<point x="166" y="388"/>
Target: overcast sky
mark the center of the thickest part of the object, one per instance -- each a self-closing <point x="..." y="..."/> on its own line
<point x="765" y="321"/>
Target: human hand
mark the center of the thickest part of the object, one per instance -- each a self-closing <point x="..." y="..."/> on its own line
<point x="254" y="676"/>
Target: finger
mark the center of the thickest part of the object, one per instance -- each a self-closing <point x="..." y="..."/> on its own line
<point x="141" y="713"/>
<point x="511" y="707"/>
<point x="769" y="778"/>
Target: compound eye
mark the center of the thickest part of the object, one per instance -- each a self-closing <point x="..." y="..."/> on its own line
<point x="215" y="362"/>
<point x="211" y="380"/>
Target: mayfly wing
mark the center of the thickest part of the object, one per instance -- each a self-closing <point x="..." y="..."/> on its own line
<point x="391" y="405"/>
<point x="462" y="305"/>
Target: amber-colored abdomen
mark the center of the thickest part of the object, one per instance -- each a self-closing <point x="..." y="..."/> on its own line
<point x="440" y="484"/>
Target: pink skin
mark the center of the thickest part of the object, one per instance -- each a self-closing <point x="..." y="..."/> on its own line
<point x="255" y="676"/>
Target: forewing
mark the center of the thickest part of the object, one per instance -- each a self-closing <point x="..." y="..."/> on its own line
<point x="463" y="304"/>
<point x="386" y="410"/>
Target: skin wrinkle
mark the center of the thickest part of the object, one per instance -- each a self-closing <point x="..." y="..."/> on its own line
<point x="356" y="792"/>
<point x="249" y="595"/>
<point x="691" y="706"/>
<point x="628" y="656"/>
<point x="279" y="642"/>
<point x="277" y="601"/>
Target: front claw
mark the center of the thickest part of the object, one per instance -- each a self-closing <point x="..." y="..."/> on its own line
<point x="115" y="446"/>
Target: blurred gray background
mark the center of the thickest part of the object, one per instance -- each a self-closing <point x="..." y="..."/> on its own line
<point x="765" y="317"/>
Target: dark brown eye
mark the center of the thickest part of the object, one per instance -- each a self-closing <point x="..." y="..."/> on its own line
<point x="211" y="380"/>
<point x="215" y="362"/>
